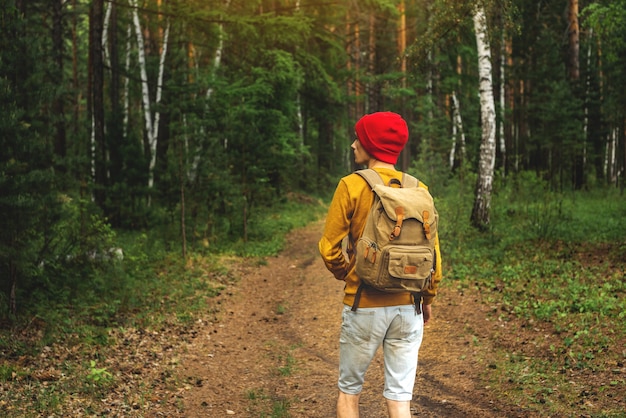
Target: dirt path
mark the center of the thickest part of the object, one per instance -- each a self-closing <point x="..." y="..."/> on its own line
<point x="272" y="348"/>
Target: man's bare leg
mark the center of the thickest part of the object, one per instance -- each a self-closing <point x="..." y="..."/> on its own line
<point x="399" y="409"/>
<point x="347" y="405"/>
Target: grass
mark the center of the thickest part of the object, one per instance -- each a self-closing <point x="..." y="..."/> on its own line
<point x="552" y="267"/>
<point x="264" y="406"/>
<point x="267" y="227"/>
<point x="287" y="365"/>
<point x="57" y="359"/>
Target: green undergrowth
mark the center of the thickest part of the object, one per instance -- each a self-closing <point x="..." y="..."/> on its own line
<point x="267" y="227"/>
<point x="58" y="355"/>
<point x="264" y="406"/>
<point x="552" y="270"/>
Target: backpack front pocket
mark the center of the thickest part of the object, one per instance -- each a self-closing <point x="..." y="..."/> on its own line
<point x="413" y="267"/>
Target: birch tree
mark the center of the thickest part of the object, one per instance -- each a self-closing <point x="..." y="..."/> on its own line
<point x="151" y="123"/>
<point x="458" y="133"/>
<point x="217" y="62"/>
<point x="486" y="164"/>
<point x="97" y="97"/>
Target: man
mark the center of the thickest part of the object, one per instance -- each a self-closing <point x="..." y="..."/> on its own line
<point x="389" y="319"/>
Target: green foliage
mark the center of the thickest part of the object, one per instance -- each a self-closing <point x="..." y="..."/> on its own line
<point x="556" y="114"/>
<point x="29" y="203"/>
<point x="605" y="20"/>
<point x="280" y="409"/>
<point x="7" y="372"/>
<point x="268" y="226"/>
<point x="287" y="366"/>
<point x="440" y="22"/>
<point x="552" y="262"/>
<point x="608" y="20"/>
<point x="98" y="376"/>
<point x="240" y="139"/>
<point x="263" y="406"/>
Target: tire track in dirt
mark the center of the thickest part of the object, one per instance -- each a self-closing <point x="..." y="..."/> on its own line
<point x="274" y="342"/>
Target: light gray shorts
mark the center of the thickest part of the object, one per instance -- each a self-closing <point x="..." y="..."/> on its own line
<point x="399" y="329"/>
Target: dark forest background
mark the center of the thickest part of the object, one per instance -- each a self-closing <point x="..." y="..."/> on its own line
<point x="178" y="126"/>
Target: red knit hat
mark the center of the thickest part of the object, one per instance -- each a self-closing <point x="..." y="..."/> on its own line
<point x="383" y="135"/>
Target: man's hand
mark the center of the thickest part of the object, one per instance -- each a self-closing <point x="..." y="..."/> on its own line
<point x="427" y="312"/>
<point x="342" y="276"/>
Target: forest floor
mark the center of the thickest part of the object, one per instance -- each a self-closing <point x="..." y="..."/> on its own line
<point x="272" y="349"/>
<point x="267" y="346"/>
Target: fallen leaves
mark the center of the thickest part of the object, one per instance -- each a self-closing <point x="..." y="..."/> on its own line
<point x="133" y="374"/>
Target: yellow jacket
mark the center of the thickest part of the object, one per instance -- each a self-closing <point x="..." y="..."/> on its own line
<point x="346" y="219"/>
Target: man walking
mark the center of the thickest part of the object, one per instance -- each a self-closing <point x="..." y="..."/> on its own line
<point x="387" y="319"/>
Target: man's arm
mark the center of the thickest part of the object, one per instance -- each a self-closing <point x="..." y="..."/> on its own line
<point x="336" y="228"/>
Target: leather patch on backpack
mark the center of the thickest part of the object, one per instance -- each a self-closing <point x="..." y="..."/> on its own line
<point x="410" y="269"/>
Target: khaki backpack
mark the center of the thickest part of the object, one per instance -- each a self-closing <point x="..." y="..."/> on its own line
<point x="396" y="252"/>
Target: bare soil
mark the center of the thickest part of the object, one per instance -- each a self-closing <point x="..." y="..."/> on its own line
<point x="272" y="348"/>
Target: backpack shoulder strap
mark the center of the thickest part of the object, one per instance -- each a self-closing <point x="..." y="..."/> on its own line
<point x="409" y="181"/>
<point x="371" y="176"/>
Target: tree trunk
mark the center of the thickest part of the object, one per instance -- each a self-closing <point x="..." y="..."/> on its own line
<point x="574" y="75"/>
<point x="145" y="92"/>
<point x="58" y="105"/>
<point x="181" y="180"/>
<point x="115" y="131"/>
<point x="502" y="102"/>
<point x="97" y="94"/>
<point x="623" y="164"/>
<point x="484" y="184"/>
<point x="372" y="92"/>
<point x="152" y="126"/>
<point x="574" y="40"/>
<point x="587" y="92"/>
<point x="126" y="104"/>
<point x="217" y="62"/>
<point x="406" y="154"/>
<point x="458" y="134"/>
<point x="76" y="104"/>
<point x="12" y="292"/>
<point x="159" y="95"/>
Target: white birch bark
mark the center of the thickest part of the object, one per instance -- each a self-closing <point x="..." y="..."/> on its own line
<point x="105" y="52"/>
<point x="141" y="57"/>
<point x="152" y="126"/>
<point x="610" y="157"/>
<point x="458" y="134"/>
<point x="107" y="61"/>
<point x="105" y="33"/>
<point x="157" y="115"/>
<point x="484" y="184"/>
<point x="217" y="61"/>
<point x="453" y="147"/>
